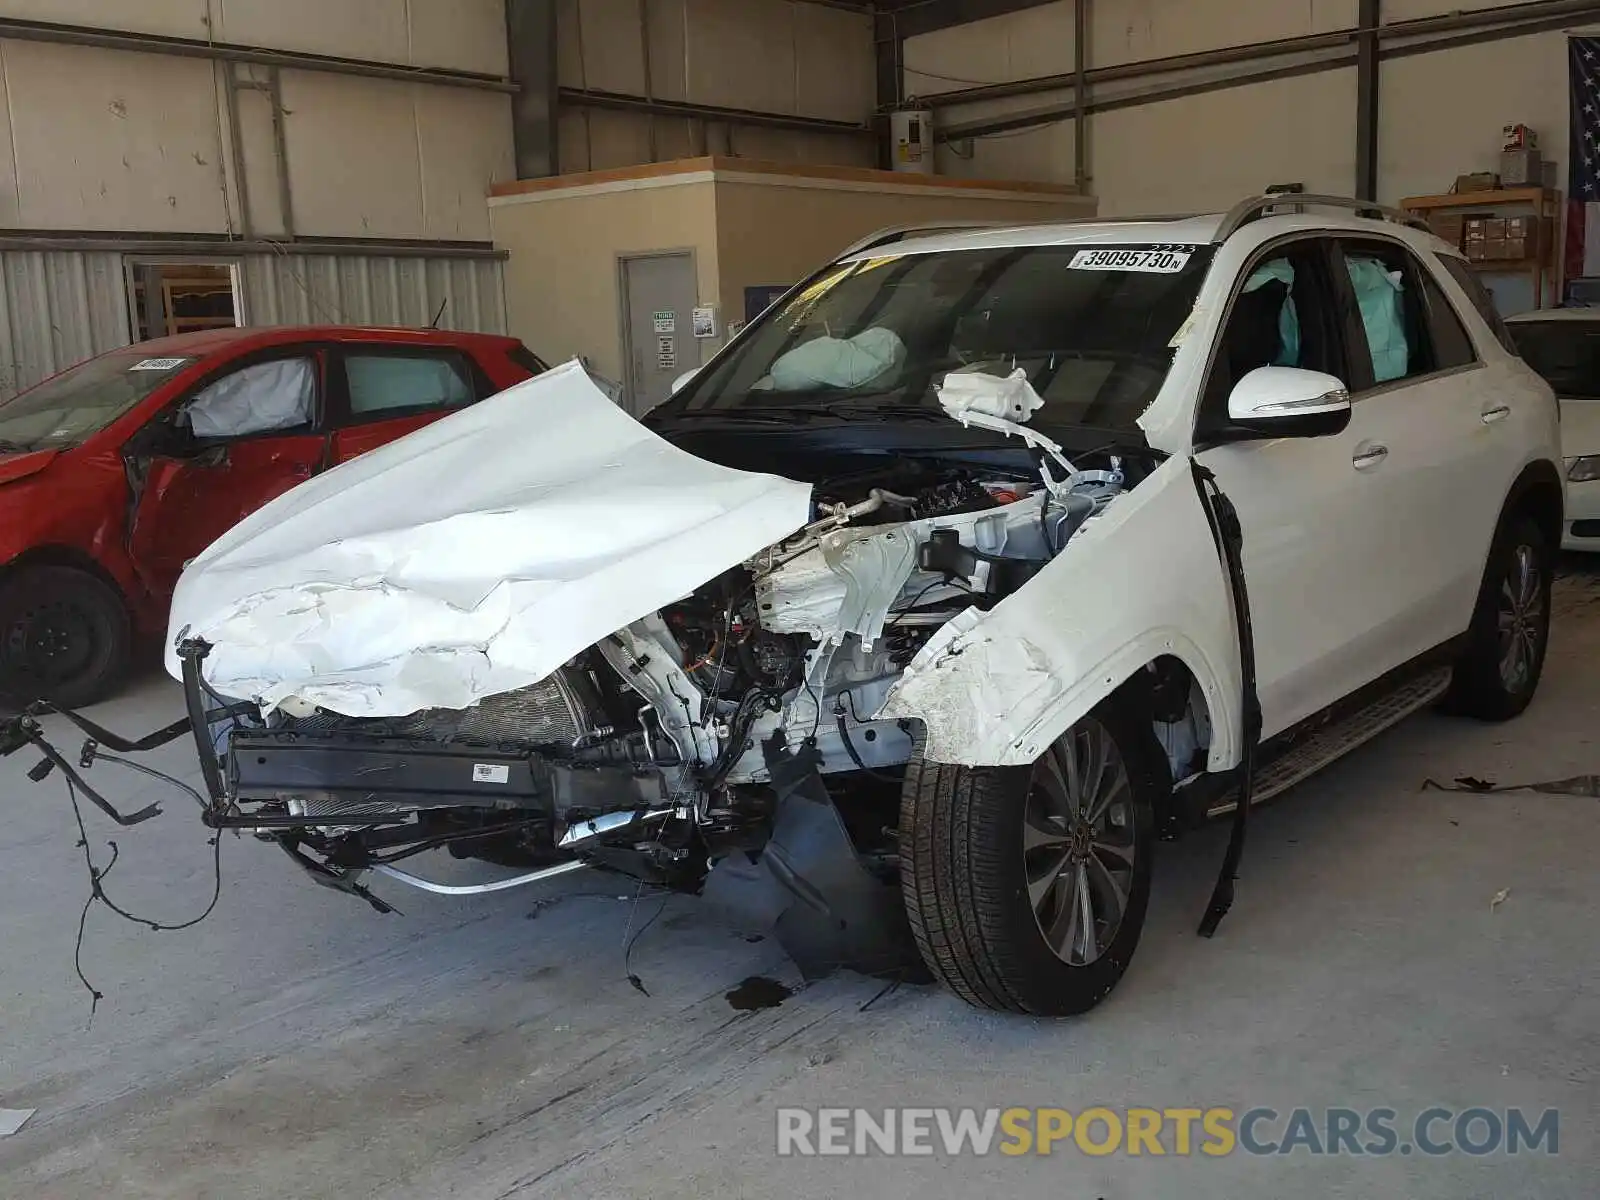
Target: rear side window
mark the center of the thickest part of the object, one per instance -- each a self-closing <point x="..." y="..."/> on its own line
<point x="1452" y="346"/>
<point x="385" y="385"/>
<point x="1566" y="353"/>
<point x="522" y="357"/>
<point x="1409" y="327"/>
<point x="1480" y="297"/>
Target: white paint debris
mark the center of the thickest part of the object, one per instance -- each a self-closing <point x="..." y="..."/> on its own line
<point x="13" y="1119"/>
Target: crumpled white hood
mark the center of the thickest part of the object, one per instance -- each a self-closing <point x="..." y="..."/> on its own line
<point x="471" y="558"/>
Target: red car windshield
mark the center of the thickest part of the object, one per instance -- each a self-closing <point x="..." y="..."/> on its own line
<point x="69" y="407"/>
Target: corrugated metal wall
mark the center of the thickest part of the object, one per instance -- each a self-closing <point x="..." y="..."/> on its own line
<point x="58" y="307"/>
<point x="325" y="289"/>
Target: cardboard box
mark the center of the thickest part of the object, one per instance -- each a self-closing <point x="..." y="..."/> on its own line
<point x="1522" y="168"/>
<point x="1480" y="181"/>
<point x="1452" y="227"/>
<point x="1522" y="238"/>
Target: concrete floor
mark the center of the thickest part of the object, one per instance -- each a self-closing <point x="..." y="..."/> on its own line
<point x="297" y="1044"/>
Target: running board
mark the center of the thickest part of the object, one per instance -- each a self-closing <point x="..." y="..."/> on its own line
<point x="1334" y="741"/>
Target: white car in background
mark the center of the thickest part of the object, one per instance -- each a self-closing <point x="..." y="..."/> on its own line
<point x="979" y="563"/>
<point x="1563" y="345"/>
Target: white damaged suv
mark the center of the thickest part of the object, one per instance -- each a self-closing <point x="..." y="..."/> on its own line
<point x="983" y="560"/>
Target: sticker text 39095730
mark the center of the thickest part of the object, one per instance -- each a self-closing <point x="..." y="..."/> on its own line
<point x="1154" y="261"/>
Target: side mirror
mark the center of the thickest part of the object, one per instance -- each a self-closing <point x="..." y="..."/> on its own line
<point x="678" y="383"/>
<point x="1289" y="402"/>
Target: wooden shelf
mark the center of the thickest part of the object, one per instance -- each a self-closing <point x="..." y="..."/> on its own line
<point x="1544" y="271"/>
<point x="1500" y="196"/>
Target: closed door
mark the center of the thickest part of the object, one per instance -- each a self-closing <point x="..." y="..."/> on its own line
<point x="1437" y="419"/>
<point x="246" y="436"/>
<point x="659" y="294"/>
<point x="1319" y="575"/>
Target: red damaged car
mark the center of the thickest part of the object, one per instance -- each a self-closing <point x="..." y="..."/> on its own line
<point x="116" y="472"/>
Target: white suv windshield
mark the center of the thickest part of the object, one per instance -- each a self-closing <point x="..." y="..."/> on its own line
<point x="1092" y="326"/>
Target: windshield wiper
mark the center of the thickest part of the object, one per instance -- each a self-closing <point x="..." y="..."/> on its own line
<point x="9" y="447"/>
<point x="891" y="412"/>
<point x="732" y="416"/>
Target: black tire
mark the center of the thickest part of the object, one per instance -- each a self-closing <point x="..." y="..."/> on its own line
<point x="64" y="636"/>
<point x="1486" y="685"/>
<point x="965" y="875"/>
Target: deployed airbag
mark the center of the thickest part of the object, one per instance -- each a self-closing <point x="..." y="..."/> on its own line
<point x="839" y="362"/>
<point x="1280" y="270"/>
<point x="260" y="398"/>
<point x="1378" y="294"/>
<point x="471" y="558"/>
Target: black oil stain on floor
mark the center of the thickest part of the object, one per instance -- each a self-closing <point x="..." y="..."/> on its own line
<point x="758" y="992"/>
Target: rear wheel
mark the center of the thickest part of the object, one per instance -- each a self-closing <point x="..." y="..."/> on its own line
<point x="1026" y="888"/>
<point x="64" y="636"/>
<point x="1500" y="667"/>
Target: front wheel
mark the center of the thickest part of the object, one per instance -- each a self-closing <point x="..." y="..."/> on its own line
<point x="64" y="636"/>
<point x="1026" y="888"/>
<point x="1500" y="666"/>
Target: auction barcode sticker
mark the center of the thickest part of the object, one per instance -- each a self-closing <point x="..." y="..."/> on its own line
<point x="490" y="773"/>
<point x="157" y="364"/>
<point x="1158" y="262"/>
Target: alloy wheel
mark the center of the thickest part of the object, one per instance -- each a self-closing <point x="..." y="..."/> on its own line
<point x="1079" y="844"/>
<point x="1521" y="619"/>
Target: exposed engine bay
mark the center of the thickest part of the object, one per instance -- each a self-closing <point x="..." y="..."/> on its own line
<point x="661" y="750"/>
<point x="653" y="653"/>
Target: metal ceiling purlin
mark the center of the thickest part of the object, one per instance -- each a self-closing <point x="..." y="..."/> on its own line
<point x="915" y="17"/>
<point x="1555" y="18"/>
<point x="15" y="29"/>
<point x="1275" y="48"/>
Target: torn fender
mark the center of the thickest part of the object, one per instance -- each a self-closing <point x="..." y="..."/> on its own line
<point x="1139" y="582"/>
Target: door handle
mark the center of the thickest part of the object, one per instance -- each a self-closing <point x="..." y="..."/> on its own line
<point x="1498" y="413"/>
<point x="1369" y="456"/>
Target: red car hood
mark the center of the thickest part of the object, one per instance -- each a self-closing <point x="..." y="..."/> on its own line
<point x="19" y="466"/>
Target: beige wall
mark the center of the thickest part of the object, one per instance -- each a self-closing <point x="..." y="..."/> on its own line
<point x="771" y="233"/>
<point x="1441" y="114"/>
<point x="778" y="56"/>
<point x="1207" y="152"/>
<point x="115" y="140"/>
<point x="561" y="279"/>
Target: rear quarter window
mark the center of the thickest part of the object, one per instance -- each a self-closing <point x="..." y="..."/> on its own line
<point x="1481" y="298"/>
<point x="530" y="362"/>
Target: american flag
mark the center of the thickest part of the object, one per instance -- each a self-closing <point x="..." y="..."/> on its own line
<point x="1583" y="157"/>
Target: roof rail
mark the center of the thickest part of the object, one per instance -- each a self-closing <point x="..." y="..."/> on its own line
<point x="1255" y="208"/>
<point x="898" y="233"/>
